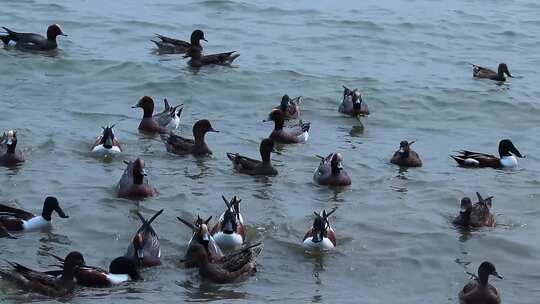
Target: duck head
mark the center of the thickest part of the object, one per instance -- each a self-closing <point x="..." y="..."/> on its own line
<point x="278" y="117"/>
<point x="321" y="225"/>
<point x="201" y="127"/>
<point x="336" y="163"/>
<point x="72" y="261"/>
<point x="138" y="171"/>
<point x="197" y="36"/>
<point x="147" y="104"/>
<point x="231" y="217"/>
<point x="107" y="137"/>
<point x="10" y="140"/>
<point x="507" y="148"/>
<point x="355" y="96"/>
<point x="465" y="209"/>
<point x="138" y="243"/>
<point x="51" y="204"/>
<point x="123" y="265"/>
<point x="405" y="147"/>
<point x="485" y="270"/>
<point x="503" y="69"/>
<point x="266" y="148"/>
<point x="199" y="228"/>
<point x="53" y="31"/>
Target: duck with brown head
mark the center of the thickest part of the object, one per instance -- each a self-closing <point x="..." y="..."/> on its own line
<point x="251" y="166"/>
<point x="298" y="133"/>
<point x="405" y="156"/>
<point x="330" y="171"/>
<point x="290" y="107"/>
<point x="145" y="248"/>
<point x="13" y="156"/>
<point x="161" y="123"/>
<point x="478" y="290"/>
<point x="485" y="73"/>
<point x="184" y="146"/>
<point x="201" y="236"/>
<point x="33" y="42"/>
<point x="169" y="45"/>
<point x="134" y="183"/>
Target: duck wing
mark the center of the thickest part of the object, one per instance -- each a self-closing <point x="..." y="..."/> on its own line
<point x="482" y="72"/>
<point x="242" y="162"/>
<point x="173" y="41"/>
<point x="31" y="278"/>
<point x="151" y="245"/>
<point x="221" y="58"/>
<point x="6" y="211"/>
<point x="178" y="144"/>
<point x="236" y="260"/>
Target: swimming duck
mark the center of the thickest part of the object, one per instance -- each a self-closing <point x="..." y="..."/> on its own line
<point x="405" y="157"/>
<point x="201" y="236"/>
<point x="145" y="249"/>
<point x="198" y="59"/>
<point x="477" y="215"/>
<point x="240" y="265"/>
<point x="229" y="232"/>
<point x="251" y="166"/>
<point x="479" y="291"/>
<point x="175" y="46"/>
<point x="321" y="236"/>
<point x="31" y="41"/>
<point x="298" y="133"/>
<point x="107" y="142"/>
<point x="12" y="155"/>
<point x="290" y="107"/>
<point x="352" y="103"/>
<point x="507" y="159"/>
<point x="330" y="171"/>
<point x="42" y="282"/>
<point x="19" y="220"/>
<point x="121" y="270"/>
<point x="481" y="72"/>
<point x="133" y="184"/>
<point x="183" y="146"/>
<point x="170" y="117"/>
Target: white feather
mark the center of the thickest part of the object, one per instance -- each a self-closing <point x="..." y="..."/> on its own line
<point x="118" y="278"/>
<point x="101" y="148"/>
<point x="173" y="123"/>
<point x="471" y="162"/>
<point x="325" y="244"/>
<point x="304" y="136"/>
<point x="509" y="161"/>
<point x="228" y="241"/>
<point x="36" y="223"/>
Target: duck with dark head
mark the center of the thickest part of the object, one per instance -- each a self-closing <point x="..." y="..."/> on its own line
<point x="251" y="166"/>
<point x="184" y="146"/>
<point x="321" y="236"/>
<point x="14" y="219"/>
<point x="290" y="107"/>
<point x="478" y="290"/>
<point x="157" y="124"/>
<point x="405" y="156"/>
<point x="201" y="235"/>
<point x="298" y="133"/>
<point x="197" y="59"/>
<point x="331" y="172"/>
<point x="107" y="142"/>
<point x="134" y="184"/>
<point x="506" y="160"/>
<point x="485" y="73"/>
<point x="229" y="232"/>
<point x="12" y="156"/>
<point x="477" y="215"/>
<point x="352" y="103"/>
<point x="33" y="42"/>
<point x="169" y="45"/>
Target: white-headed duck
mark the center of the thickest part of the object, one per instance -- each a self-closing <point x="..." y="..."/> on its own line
<point x="107" y="142"/>
<point x="12" y="156"/>
<point x="477" y="215"/>
<point x="485" y="73"/>
<point x="240" y="265"/>
<point x="134" y="184"/>
<point x="321" y="236"/>
<point x="294" y="134"/>
<point x="251" y="166"/>
<point x="479" y="291"/>
<point x="352" y="103"/>
<point x="184" y="146"/>
<point x="19" y="220"/>
<point x="201" y="235"/>
<point x="44" y="283"/>
<point x="405" y="156"/>
<point x="290" y="107"/>
<point x="330" y="171"/>
<point x="198" y="59"/>
<point x="506" y="160"/>
<point x="229" y="232"/>
<point x="34" y="42"/>
<point x="169" y="45"/>
<point x="145" y="249"/>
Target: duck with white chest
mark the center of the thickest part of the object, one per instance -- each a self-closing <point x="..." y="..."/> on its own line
<point x="321" y="236"/>
<point x="229" y="232"/>
<point x="107" y="142"/>
<point x="14" y="219"/>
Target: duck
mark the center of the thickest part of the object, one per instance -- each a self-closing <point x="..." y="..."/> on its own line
<point x="107" y="142"/>
<point x="145" y="249"/>
<point x="33" y="42"/>
<point x="161" y="124"/>
<point x="201" y="235"/>
<point x="170" y="117"/>
<point x="42" y="282"/>
<point x="183" y="146"/>
<point x="321" y="236"/>
<point x="352" y="103"/>
<point x="479" y="291"/>
<point x="405" y="157"/>
<point x="477" y="215"/>
<point x="240" y="265"/>
<point x="506" y="160"/>
<point x="298" y="133"/>
<point x="175" y="46"/>
<point x="198" y="59"/>
<point x="229" y="232"/>
<point x="290" y="107"/>
<point x="330" y="171"/>
<point x="12" y="156"/>
<point x="134" y="184"/>
<point x="13" y="219"/>
<point x="121" y="270"/>
<point x="485" y="73"/>
<point x="251" y="166"/>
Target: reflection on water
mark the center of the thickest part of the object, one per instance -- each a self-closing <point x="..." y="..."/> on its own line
<point x="206" y="291"/>
<point x="357" y="130"/>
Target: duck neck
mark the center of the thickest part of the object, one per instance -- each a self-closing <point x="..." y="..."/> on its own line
<point x="68" y="275"/>
<point x="466" y="217"/>
<point x="148" y="111"/>
<point x="265" y="156"/>
<point x="278" y="124"/>
<point x="335" y="170"/>
<point x="138" y="179"/>
<point x="199" y="137"/>
<point x="11" y="148"/>
<point x="483" y="278"/>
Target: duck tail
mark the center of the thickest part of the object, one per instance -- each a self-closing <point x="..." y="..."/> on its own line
<point x="305" y="126"/>
<point x="7" y="38"/>
<point x="459" y="160"/>
<point x="231" y="156"/>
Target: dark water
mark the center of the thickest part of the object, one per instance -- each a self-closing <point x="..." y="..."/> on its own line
<point x="408" y="58"/>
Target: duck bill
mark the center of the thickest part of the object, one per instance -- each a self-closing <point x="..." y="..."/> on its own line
<point x="61" y="212"/>
<point x="213" y="130"/>
<point x="204" y="39"/>
<point x="495" y="274"/>
<point x="515" y="151"/>
<point x="135" y="106"/>
<point x="143" y="172"/>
